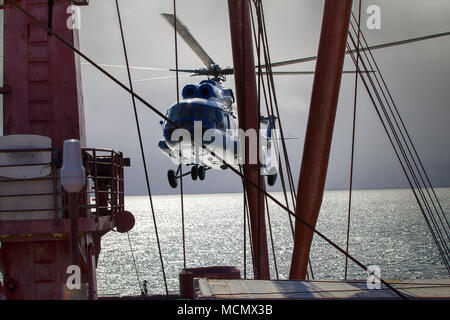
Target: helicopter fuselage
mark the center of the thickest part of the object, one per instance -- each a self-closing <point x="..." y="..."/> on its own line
<point x="205" y="115"/>
<point x="203" y="130"/>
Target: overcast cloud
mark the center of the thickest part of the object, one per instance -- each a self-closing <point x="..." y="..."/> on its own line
<point x="417" y="74"/>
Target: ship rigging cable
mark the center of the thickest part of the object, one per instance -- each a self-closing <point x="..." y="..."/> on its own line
<point x="183" y="231"/>
<point x="246" y="225"/>
<point x="401" y="145"/>
<point x="142" y="151"/>
<point x="259" y="40"/>
<point x="355" y="98"/>
<point x="404" y="169"/>
<point x="134" y="263"/>
<point x="413" y="156"/>
<point x="433" y="195"/>
<point x="271" y="100"/>
<point x="204" y="147"/>
<point x="261" y="84"/>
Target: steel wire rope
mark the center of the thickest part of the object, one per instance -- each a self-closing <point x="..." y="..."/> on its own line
<point x="244" y="229"/>
<point x="394" y="105"/>
<point x="392" y="143"/>
<point x="258" y="8"/>
<point x="270" y="114"/>
<point x="257" y="4"/>
<point x="411" y="156"/>
<point x="271" y="239"/>
<point x="249" y="181"/>
<point x="141" y="145"/>
<point x="271" y="89"/>
<point x="180" y="141"/>
<point x="246" y="225"/>
<point x="355" y="97"/>
<point x="405" y="158"/>
<point x="134" y="263"/>
<point x="258" y="143"/>
<point x="405" y="155"/>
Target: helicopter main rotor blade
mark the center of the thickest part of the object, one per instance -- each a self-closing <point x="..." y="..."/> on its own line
<point x="192" y="43"/>
<point x="124" y="67"/>
<point x="189" y="70"/>
<point x="379" y="46"/>
<point x="293" y="73"/>
<point x="156" y="78"/>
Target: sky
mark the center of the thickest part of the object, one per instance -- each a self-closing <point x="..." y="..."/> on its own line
<point x="418" y="76"/>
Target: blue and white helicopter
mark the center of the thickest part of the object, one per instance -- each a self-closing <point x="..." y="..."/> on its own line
<point x="207" y="113"/>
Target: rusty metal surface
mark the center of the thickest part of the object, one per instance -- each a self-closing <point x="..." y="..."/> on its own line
<point x="41" y="73"/>
<point x="319" y="132"/>
<point x="247" y="106"/>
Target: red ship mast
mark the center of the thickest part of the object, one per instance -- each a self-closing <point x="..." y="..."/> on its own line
<point x="42" y="98"/>
<point x="249" y="117"/>
<point x="319" y="131"/>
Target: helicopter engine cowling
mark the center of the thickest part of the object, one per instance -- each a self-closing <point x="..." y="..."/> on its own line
<point x="190" y="91"/>
<point x="207" y="91"/>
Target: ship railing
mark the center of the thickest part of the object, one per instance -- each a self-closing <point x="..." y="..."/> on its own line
<point x="39" y="196"/>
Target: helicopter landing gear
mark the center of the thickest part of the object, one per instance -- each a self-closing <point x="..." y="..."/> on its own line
<point x="172" y="177"/>
<point x="271" y="179"/>
<point x="194" y="173"/>
<point x="202" y="173"/>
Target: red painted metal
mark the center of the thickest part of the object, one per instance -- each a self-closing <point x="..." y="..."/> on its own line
<point x="247" y="105"/>
<point x="45" y="99"/>
<point x="74" y="228"/>
<point x="44" y="227"/>
<point x="102" y="218"/>
<point x="187" y="276"/>
<point x="125" y="221"/>
<point x="327" y="80"/>
<point x="43" y="75"/>
<point x="92" y="265"/>
<point x="42" y="96"/>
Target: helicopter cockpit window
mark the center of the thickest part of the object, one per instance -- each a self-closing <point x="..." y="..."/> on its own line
<point x="173" y="113"/>
<point x="198" y="112"/>
<point x="186" y="111"/>
<point x="209" y="115"/>
<point x="201" y="112"/>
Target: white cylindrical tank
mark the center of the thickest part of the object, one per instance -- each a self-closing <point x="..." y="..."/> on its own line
<point x="73" y="174"/>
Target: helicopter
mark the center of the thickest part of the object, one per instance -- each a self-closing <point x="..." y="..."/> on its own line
<point x="208" y="109"/>
<point x="212" y="105"/>
<point x="218" y="102"/>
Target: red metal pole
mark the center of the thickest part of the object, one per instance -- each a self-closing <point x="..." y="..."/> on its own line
<point x="248" y="112"/>
<point x="74" y="229"/>
<point x="319" y="132"/>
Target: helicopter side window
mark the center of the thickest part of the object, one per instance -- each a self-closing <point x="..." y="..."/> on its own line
<point x="173" y="113"/>
<point x="227" y="122"/>
<point x="220" y="120"/>
<point x="209" y="115"/>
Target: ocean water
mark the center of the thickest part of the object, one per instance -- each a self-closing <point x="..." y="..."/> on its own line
<point x="387" y="229"/>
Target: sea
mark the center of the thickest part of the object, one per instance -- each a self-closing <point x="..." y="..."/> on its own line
<point x="387" y="230"/>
